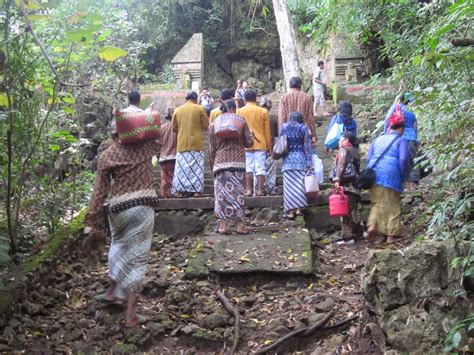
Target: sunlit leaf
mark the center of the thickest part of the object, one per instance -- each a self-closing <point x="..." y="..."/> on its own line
<point x="111" y="54"/>
<point x="3" y="100"/>
<point x="80" y="36"/>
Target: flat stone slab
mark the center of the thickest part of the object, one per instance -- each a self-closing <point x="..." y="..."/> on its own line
<point x="282" y="252"/>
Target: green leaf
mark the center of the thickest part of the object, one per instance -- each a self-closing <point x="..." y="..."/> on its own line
<point x="3" y="100"/>
<point x="79" y="36"/>
<point x="456" y="339"/>
<point x="444" y="29"/>
<point x="471" y="327"/>
<point x="4" y="257"/>
<point x="111" y="54"/>
<point x="54" y="147"/>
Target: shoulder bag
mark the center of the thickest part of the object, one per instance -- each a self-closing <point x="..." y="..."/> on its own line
<point x="280" y="149"/>
<point x="367" y="177"/>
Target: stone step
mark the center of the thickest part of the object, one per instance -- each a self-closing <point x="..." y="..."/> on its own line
<point x="275" y="201"/>
<point x="285" y="251"/>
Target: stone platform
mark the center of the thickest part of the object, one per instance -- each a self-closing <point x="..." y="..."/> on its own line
<point x="285" y="251"/>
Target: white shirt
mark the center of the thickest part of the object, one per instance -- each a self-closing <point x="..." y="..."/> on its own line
<point x="132" y="108"/>
<point x="318" y="74"/>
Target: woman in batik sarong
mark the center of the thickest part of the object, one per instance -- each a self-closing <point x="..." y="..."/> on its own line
<point x="167" y="155"/>
<point x="270" y="166"/>
<point x="296" y="164"/>
<point x="390" y="173"/>
<point x="227" y="160"/>
<point x="125" y="173"/>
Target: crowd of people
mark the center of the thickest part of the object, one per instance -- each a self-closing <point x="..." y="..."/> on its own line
<point x="242" y="166"/>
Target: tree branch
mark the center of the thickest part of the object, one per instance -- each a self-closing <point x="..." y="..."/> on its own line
<point x="462" y="42"/>
<point x="235" y="313"/>
<point x="38" y="42"/>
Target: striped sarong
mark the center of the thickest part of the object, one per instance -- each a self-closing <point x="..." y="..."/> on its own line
<point x="229" y="193"/>
<point x="132" y="230"/>
<point x="270" y="178"/>
<point x="293" y="190"/>
<point x="189" y="172"/>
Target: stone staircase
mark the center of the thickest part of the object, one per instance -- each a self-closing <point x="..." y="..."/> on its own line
<point x="321" y="128"/>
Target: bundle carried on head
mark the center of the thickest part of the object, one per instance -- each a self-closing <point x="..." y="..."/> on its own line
<point x="135" y="127"/>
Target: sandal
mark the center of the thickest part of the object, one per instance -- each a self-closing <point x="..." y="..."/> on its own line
<point x="288" y="216"/>
<point x="139" y="320"/>
<point x="104" y="300"/>
<point x="243" y="232"/>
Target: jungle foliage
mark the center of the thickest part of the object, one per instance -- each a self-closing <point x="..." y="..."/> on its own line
<point x="54" y="56"/>
<point x="62" y="59"/>
<point x="426" y="48"/>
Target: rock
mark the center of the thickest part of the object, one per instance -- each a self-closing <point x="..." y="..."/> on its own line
<point x="174" y="297"/>
<point x="207" y="335"/>
<point x="213" y="321"/>
<point x="281" y="330"/>
<point x="156" y="329"/>
<point x="315" y="318"/>
<point x="32" y="308"/>
<point x="325" y="306"/>
<point x="190" y="329"/>
<point x="137" y="335"/>
<point x="412" y="292"/>
<point x="177" y="225"/>
<point x="266" y="215"/>
<point x="121" y="348"/>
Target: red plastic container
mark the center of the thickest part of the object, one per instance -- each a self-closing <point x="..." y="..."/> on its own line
<point x="338" y="203"/>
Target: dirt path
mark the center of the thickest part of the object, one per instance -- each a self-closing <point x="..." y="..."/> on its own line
<point x="184" y="314"/>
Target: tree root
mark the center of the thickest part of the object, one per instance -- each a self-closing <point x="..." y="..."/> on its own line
<point x="234" y="312"/>
<point x="303" y="331"/>
<point x="340" y="324"/>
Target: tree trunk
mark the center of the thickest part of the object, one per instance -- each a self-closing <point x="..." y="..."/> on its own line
<point x="286" y="33"/>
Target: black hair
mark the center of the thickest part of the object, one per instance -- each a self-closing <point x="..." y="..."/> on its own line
<point x="191" y="95"/>
<point x="352" y="138"/>
<point x="296" y="117"/>
<point x="250" y="95"/>
<point x="169" y="113"/>
<point x="228" y="105"/>
<point x="295" y="82"/>
<point x="345" y="108"/>
<point x="320" y="62"/>
<point x="226" y="94"/>
<point x="265" y="102"/>
<point x="134" y="97"/>
<point x="398" y="125"/>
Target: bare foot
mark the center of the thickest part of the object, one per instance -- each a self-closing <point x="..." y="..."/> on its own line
<point x="135" y="321"/>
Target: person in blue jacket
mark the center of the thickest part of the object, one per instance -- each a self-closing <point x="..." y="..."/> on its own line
<point x="345" y="117"/>
<point x="390" y="174"/>
<point x="410" y="134"/>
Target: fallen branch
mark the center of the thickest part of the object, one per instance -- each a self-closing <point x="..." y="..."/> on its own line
<point x="281" y="340"/>
<point x="340" y="324"/>
<point x="310" y="330"/>
<point x="307" y="331"/>
<point x="462" y="42"/>
<point x="234" y="312"/>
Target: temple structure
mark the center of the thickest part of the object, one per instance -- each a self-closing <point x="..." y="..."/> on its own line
<point x="188" y="64"/>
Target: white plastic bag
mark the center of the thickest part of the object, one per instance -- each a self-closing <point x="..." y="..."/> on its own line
<point x="318" y="167"/>
<point x="311" y="186"/>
